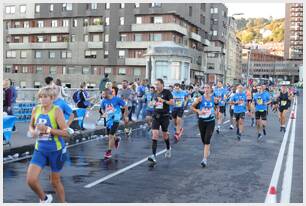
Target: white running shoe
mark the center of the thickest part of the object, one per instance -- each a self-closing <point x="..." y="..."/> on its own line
<point x="168" y="153"/>
<point x="48" y="200"/>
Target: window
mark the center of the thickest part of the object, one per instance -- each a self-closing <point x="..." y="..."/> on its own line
<point x="97" y="21"/>
<point x="73" y="37"/>
<point x="108" y="70"/>
<point x="23" y="8"/>
<point x="86" y="70"/>
<point x="158" y="20"/>
<point x="138" y="37"/>
<point x="106" y="21"/>
<point x="90" y="54"/>
<point x="66" y="54"/>
<point x="23" y="84"/>
<point x="137" y="72"/>
<point x="10" y="10"/>
<point x="24" y="69"/>
<point x="7" y="69"/>
<point x="66" y="23"/>
<point x="122" y="6"/>
<point x="38" y="54"/>
<point x="215" y="33"/>
<point x="86" y="22"/>
<point x="138" y="20"/>
<point x="94" y="6"/>
<point x="155" y="37"/>
<point x="215" y="10"/>
<point x="121" y="21"/>
<point x="121" y="53"/>
<point x="96" y="38"/>
<point x="123" y="37"/>
<point x="137" y="5"/>
<point x="54" y="23"/>
<point x="51" y="7"/>
<point x="40" y="39"/>
<point x="53" y="70"/>
<point x="122" y="71"/>
<point x="106" y="38"/>
<point x="23" y="54"/>
<point x="26" y="24"/>
<point x="40" y="24"/>
<point x="75" y="23"/>
<point x="162" y="69"/>
<point x="67" y="7"/>
<point x="105" y="54"/>
<point x="53" y="38"/>
<point x="155" y="4"/>
<point x="10" y="54"/>
<point x="190" y="11"/>
<point x="86" y="37"/>
<point x="37" y="8"/>
<point x="107" y="5"/>
<point x="51" y="54"/>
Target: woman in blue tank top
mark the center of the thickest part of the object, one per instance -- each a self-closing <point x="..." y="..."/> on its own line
<point x="48" y="126"/>
<point x="204" y="107"/>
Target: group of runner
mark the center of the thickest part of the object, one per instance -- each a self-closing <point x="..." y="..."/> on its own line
<point x="51" y="119"/>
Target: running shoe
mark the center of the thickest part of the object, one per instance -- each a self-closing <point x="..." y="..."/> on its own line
<point x="238" y="136"/>
<point x="117" y="142"/>
<point x="259" y="137"/>
<point x="231" y="127"/>
<point x="176" y="137"/>
<point x="284" y="129"/>
<point x="48" y="199"/>
<point x="204" y="163"/>
<point x="281" y="129"/>
<point x="218" y="129"/>
<point x="168" y="153"/>
<point x="152" y="159"/>
<point x="108" y="154"/>
<point x="252" y="124"/>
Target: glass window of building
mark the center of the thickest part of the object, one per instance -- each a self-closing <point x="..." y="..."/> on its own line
<point x="122" y="71"/>
<point x="138" y="20"/>
<point x="158" y="20"/>
<point x="23" y="9"/>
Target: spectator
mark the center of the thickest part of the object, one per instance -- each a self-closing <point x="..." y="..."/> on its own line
<point x="141" y="90"/>
<point x="103" y="82"/>
<point x="7" y="97"/>
<point x="14" y="97"/>
<point x="83" y="97"/>
<point x="127" y="95"/>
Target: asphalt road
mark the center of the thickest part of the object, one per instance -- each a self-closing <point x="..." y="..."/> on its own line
<point x="237" y="171"/>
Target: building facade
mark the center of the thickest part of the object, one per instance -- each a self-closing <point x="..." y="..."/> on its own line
<point x="293" y="42"/>
<point x="82" y="41"/>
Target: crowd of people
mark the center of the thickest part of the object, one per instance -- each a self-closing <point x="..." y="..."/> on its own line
<point x="157" y="106"/>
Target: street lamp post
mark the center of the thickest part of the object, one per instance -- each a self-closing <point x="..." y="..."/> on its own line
<point x="249" y="65"/>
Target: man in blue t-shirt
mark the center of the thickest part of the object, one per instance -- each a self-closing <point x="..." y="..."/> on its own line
<point x="63" y="105"/>
<point x="239" y="101"/>
<point x="180" y="98"/>
<point x="111" y="107"/>
<point x="261" y="100"/>
<point x="220" y="98"/>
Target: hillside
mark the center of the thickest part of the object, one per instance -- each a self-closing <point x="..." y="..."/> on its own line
<point x="249" y="30"/>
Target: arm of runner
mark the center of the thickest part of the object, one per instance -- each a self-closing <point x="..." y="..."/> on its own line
<point x="194" y="105"/>
<point x="60" y="120"/>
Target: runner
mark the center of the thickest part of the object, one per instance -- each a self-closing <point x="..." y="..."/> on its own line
<point x="111" y="108"/>
<point x="283" y="101"/>
<point x="261" y="101"/>
<point x="206" y="120"/>
<point x="253" y="91"/>
<point x="179" y="97"/>
<point x="163" y="98"/>
<point x="231" y="107"/>
<point x="239" y="101"/>
<point x="149" y="109"/>
<point x="49" y="128"/>
<point x="220" y="96"/>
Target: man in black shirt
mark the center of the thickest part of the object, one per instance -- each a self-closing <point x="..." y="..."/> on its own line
<point x="163" y="98"/>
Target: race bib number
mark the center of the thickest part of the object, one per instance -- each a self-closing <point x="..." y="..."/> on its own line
<point x="178" y="103"/>
<point x="283" y="103"/>
<point x="159" y="105"/>
<point x="207" y="113"/>
<point x="109" y="109"/>
<point x="151" y="104"/>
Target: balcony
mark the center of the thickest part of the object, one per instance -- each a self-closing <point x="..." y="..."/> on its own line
<point x="135" y="61"/>
<point x="56" y="45"/>
<point x="206" y="42"/>
<point x="138" y="44"/>
<point x="195" y="36"/>
<point x="95" y="45"/>
<point x="94" y="28"/>
<point x="160" y="27"/>
<point x="38" y="30"/>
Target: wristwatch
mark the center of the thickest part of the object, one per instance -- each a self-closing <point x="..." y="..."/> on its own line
<point x="48" y="130"/>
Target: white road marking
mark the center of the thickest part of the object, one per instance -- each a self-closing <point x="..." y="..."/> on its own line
<point x="227" y="121"/>
<point x="287" y="179"/>
<point x="121" y="171"/>
<point x="279" y="161"/>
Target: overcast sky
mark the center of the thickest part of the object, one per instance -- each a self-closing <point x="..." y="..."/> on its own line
<point x="251" y="10"/>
